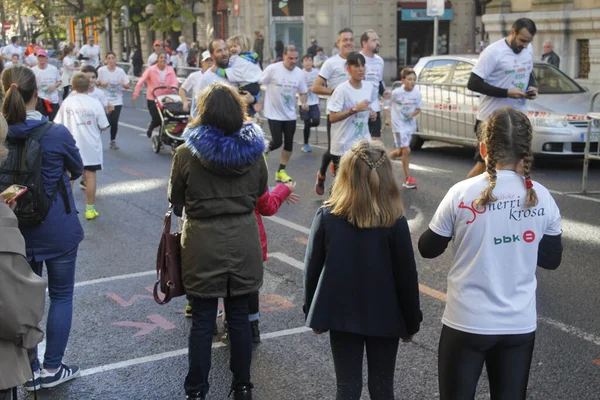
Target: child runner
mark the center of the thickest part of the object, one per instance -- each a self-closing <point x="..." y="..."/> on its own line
<point x="94" y="91"/>
<point x="68" y="59"/>
<point x="350" y="109"/>
<point x="360" y="260"/>
<point x="113" y="79"/>
<point x="406" y="105"/>
<point x="312" y="117"/>
<point x="85" y="118"/>
<point x="502" y="226"/>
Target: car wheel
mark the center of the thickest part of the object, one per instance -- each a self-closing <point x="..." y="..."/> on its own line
<point x="416" y="142"/>
<point x="156" y="145"/>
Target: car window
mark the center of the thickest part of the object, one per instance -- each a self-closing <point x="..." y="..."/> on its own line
<point x="462" y="72"/>
<point x="437" y="71"/>
<point x="552" y="81"/>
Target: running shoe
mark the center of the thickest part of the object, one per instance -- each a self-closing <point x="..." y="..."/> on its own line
<point x="91" y="214"/>
<point x="410" y="183"/>
<point x="64" y="374"/>
<point x="113" y="145"/>
<point x="282" y="176"/>
<point x="82" y="184"/>
<point x="35" y="383"/>
<point x="306" y="148"/>
<point x="149" y="132"/>
<point x="188" y="311"/>
<point x="320" y="184"/>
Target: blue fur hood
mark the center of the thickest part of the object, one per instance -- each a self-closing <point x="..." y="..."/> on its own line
<point x="231" y="154"/>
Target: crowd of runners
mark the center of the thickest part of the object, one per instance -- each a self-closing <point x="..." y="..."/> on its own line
<point x="359" y="258"/>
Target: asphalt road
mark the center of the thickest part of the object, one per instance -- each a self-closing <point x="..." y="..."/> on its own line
<point x="129" y="347"/>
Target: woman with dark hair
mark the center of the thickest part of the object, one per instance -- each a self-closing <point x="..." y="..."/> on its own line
<point x="279" y="47"/>
<point x="60" y="160"/>
<point x="218" y="175"/>
<point x="68" y="58"/>
<point x="160" y="74"/>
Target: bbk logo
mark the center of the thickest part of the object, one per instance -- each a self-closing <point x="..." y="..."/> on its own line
<point x="528" y="237"/>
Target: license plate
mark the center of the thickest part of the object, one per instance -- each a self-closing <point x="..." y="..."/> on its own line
<point x="594" y="136"/>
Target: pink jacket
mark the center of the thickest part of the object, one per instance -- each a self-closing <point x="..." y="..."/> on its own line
<point x="268" y="204"/>
<point x="151" y="77"/>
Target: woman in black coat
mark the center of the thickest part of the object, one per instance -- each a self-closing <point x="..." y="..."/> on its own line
<point x="360" y="280"/>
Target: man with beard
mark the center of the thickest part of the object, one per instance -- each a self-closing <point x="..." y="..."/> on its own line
<point x="369" y="42"/>
<point x="504" y="77"/>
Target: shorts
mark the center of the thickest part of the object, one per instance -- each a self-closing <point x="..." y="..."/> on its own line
<point x="402" y="139"/>
<point x="313" y="113"/>
<point x="375" y="126"/>
<point x="92" y="167"/>
<point x="477" y="156"/>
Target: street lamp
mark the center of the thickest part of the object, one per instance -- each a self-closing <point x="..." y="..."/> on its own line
<point x="150" y="9"/>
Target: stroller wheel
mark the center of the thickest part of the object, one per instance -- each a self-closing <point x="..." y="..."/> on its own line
<point x="156" y="144"/>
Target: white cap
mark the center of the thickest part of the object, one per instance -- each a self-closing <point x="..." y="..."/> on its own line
<point x="205" y="55"/>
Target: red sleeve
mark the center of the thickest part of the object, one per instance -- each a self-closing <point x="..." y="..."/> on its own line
<point x="268" y="204"/>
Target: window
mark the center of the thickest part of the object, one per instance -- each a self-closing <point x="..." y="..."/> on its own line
<point x="437" y="71"/>
<point x="462" y="72"/>
<point x="583" y="46"/>
<point x="553" y="81"/>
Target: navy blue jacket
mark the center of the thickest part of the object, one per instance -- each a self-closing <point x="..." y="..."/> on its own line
<point x="60" y="232"/>
<point x="362" y="281"/>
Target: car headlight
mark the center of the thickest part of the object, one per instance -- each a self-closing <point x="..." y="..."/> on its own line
<point x="550" y="123"/>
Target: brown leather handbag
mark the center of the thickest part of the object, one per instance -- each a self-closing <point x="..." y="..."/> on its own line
<point x="168" y="264"/>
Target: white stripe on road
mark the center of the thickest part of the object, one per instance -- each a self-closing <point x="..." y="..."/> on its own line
<point x="288" y="260"/>
<point x="572" y="330"/>
<point x="114" y="278"/>
<point x="134" y="127"/>
<point x="289" y="224"/>
<point x="180" y="352"/>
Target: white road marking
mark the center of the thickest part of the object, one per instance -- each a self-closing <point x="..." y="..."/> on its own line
<point x="133" y="186"/>
<point x="572" y="330"/>
<point x="180" y="352"/>
<point x="580" y="231"/>
<point x="289" y="224"/>
<point x="415" y="223"/>
<point x="114" y="278"/>
<point x="288" y="260"/>
<point x="134" y="127"/>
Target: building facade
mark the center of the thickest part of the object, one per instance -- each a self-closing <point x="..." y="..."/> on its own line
<point x="572" y="25"/>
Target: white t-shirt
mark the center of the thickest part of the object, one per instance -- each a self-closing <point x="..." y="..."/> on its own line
<point x="11" y="49"/>
<point x="309" y="78"/>
<point x="208" y="78"/>
<point x="345" y="133"/>
<point x="153" y="59"/>
<point x="242" y="71"/>
<point x="499" y="66"/>
<point x="192" y="83"/>
<point x="45" y="78"/>
<point x="99" y="95"/>
<point x="92" y="53"/>
<point x="31" y="60"/>
<point x="334" y="72"/>
<point x="84" y="117"/>
<point x="491" y="283"/>
<point x="374" y="74"/>
<point x="404" y="103"/>
<point x="67" y="74"/>
<point x="282" y="87"/>
<point x="115" y="79"/>
<point x="183" y="48"/>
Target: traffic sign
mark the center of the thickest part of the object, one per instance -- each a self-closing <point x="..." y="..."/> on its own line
<point x="435" y="8"/>
<point x="6" y="26"/>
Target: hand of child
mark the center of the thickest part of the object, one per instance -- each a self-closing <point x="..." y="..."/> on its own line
<point x="292" y="198"/>
<point x="363" y="105"/>
<point x="291" y="185"/>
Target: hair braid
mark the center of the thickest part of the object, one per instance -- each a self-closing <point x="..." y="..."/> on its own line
<point x="531" y="198"/>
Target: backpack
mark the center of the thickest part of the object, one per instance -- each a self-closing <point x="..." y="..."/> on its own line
<point x="23" y="166"/>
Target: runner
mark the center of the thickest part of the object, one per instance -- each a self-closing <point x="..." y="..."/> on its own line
<point x="502" y="226"/>
<point x="13" y="48"/>
<point x="48" y="81"/>
<point x="14" y="60"/>
<point x="283" y="80"/>
<point x="158" y="48"/>
<point x="113" y="80"/>
<point x="350" y="109"/>
<point x="312" y="117"/>
<point x="68" y="61"/>
<point x="157" y="75"/>
<point x="90" y="53"/>
<point x="85" y="118"/>
<point x="504" y="77"/>
<point x="192" y="83"/>
<point x="369" y="42"/>
<point x="330" y="76"/>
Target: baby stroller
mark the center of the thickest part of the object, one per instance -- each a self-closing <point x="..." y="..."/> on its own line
<point x="173" y="118"/>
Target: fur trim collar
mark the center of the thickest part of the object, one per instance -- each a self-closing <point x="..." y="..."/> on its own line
<point x="213" y="147"/>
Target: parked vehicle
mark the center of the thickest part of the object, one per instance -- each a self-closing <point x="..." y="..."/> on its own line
<point x="557" y="115"/>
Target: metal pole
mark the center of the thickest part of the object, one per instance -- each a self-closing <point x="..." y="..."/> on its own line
<point x="473" y="33"/>
<point x="436" y="28"/>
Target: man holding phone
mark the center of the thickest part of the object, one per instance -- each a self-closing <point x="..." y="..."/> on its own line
<point x="504" y="77"/>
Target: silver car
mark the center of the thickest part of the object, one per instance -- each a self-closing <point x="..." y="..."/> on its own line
<point x="557" y="115"/>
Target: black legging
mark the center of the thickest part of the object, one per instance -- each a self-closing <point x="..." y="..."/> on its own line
<point x="253" y="303"/>
<point x="66" y="91"/>
<point x="327" y="155"/>
<point x="282" y="131"/>
<point x="461" y="356"/>
<point x="113" y="120"/>
<point x="154" y="114"/>
<point x="348" y="349"/>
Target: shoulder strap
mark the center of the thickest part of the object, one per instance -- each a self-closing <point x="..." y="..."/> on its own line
<point x="38" y="133"/>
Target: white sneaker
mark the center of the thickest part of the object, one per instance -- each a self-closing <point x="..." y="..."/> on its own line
<point x="64" y="374"/>
<point x="35" y="383"/>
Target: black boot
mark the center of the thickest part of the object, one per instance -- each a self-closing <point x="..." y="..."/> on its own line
<point x="149" y="130"/>
<point x="195" y="396"/>
<point x="242" y="392"/>
<point x="255" y="331"/>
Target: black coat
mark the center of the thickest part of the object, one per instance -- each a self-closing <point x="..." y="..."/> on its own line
<point x="552" y="58"/>
<point x="362" y="281"/>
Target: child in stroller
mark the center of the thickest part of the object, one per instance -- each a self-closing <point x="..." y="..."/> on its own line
<point x="173" y="118"/>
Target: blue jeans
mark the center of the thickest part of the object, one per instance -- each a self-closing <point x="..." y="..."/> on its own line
<point x="61" y="281"/>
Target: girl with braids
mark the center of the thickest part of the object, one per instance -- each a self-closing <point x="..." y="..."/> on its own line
<point x="360" y="260"/>
<point x="502" y="225"/>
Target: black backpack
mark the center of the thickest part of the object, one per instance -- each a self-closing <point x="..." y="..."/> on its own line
<point x="24" y="167"/>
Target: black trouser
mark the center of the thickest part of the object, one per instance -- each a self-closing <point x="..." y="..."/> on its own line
<point x="282" y="132"/>
<point x="461" y="356"/>
<point x="347" y="349"/>
<point x="204" y="313"/>
<point x="42" y="106"/>
<point x="66" y="91"/>
<point x="253" y="303"/>
<point x="375" y="126"/>
<point x="311" y="118"/>
<point x="154" y="114"/>
<point x="327" y="155"/>
<point x="113" y="120"/>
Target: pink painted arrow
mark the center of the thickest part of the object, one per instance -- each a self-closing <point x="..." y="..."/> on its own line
<point x="126" y="303"/>
<point x="145" y="328"/>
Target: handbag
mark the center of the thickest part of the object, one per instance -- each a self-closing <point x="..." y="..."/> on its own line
<point x="168" y="264"/>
